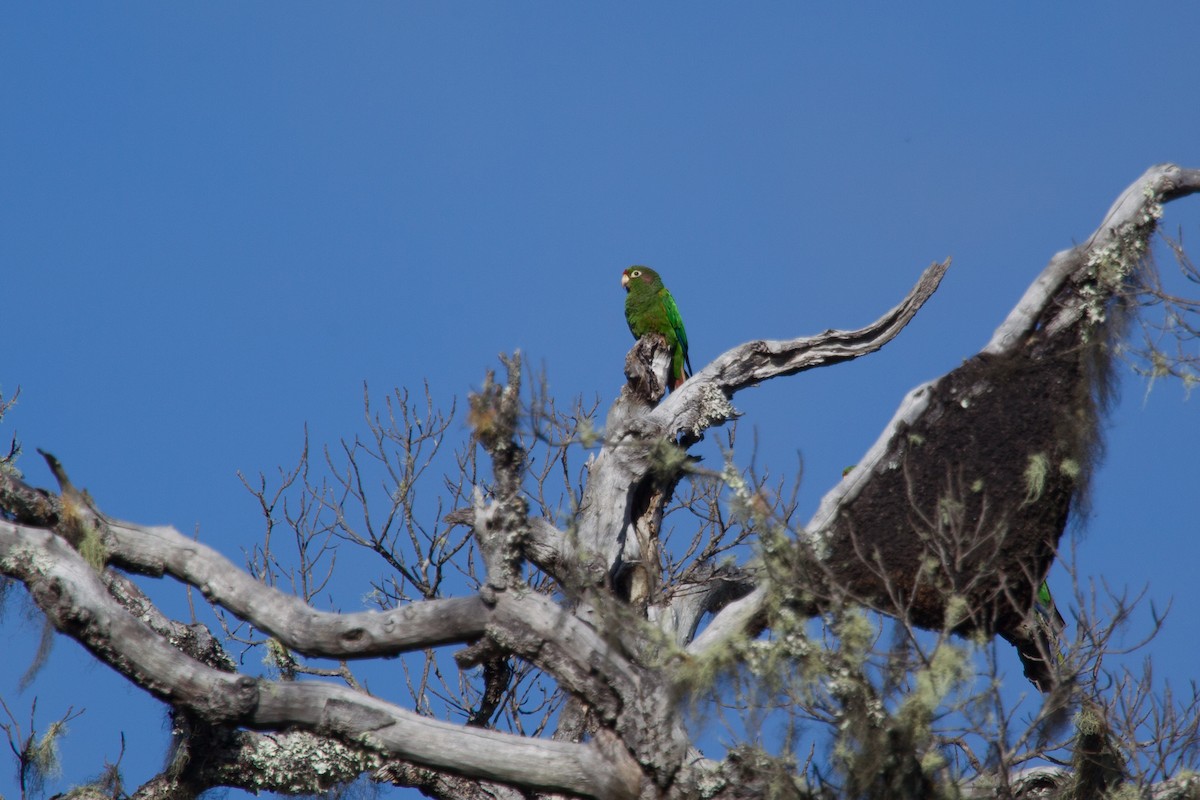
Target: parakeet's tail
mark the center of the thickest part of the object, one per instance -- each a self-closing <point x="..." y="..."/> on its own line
<point x="681" y="367"/>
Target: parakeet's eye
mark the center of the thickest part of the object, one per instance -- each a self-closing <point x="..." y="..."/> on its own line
<point x="637" y="273"/>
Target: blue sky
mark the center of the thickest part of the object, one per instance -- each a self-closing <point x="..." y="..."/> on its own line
<point x="217" y="220"/>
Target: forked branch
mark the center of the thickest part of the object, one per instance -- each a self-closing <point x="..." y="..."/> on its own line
<point x="70" y="593"/>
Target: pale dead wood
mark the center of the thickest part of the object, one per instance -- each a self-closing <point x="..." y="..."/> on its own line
<point x="69" y="591"/>
<point x="1137" y="207"/>
<point x="692" y="409"/>
<point x="161" y="549"/>
<point x="705" y="400"/>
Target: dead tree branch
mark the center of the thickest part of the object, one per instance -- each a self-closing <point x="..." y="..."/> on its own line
<point x="69" y="592"/>
<point x="1044" y="339"/>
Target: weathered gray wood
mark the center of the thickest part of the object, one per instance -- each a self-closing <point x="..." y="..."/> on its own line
<point x="155" y="550"/>
<point x="733" y="620"/>
<point x="697" y="404"/>
<point x="633" y="428"/>
<point x="714" y="587"/>
<point x="69" y="591"/>
<point x="1138" y="206"/>
<point x="245" y="759"/>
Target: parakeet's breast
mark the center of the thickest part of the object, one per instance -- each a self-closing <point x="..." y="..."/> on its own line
<point x="643" y="313"/>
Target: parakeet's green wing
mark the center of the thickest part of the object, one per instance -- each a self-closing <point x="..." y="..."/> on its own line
<point x="676" y="322"/>
<point x="1043" y="595"/>
<point x="1047" y="610"/>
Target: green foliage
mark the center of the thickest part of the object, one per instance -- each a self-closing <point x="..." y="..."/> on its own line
<point x="588" y="434"/>
<point x="949" y="669"/>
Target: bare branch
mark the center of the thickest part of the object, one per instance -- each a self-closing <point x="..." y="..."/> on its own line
<point x="1092" y="279"/>
<point x="71" y="595"/>
<point x="755" y="362"/>
<point x="158" y="549"/>
<point x="1138" y="207"/>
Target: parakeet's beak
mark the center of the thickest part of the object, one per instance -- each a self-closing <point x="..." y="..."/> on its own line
<point x="625" y="281"/>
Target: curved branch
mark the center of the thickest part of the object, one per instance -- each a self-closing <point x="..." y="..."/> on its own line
<point x="153" y="550"/>
<point x="70" y="593"/>
<point x="734" y="620"/>
<point x="711" y="589"/>
<point x="157" y="549"/>
<point x="637" y="702"/>
<point x="754" y="362"/>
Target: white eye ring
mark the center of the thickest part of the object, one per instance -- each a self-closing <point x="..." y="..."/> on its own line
<point x="637" y="273"/>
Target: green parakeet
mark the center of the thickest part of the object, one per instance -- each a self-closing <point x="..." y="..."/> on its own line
<point x="649" y="308"/>
<point x="1040" y="644"/>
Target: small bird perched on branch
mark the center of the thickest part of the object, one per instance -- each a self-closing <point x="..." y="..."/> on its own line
<point x="650" y="308"/>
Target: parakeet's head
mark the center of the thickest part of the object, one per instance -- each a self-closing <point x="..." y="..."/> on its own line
<point x="639" y="275"/>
